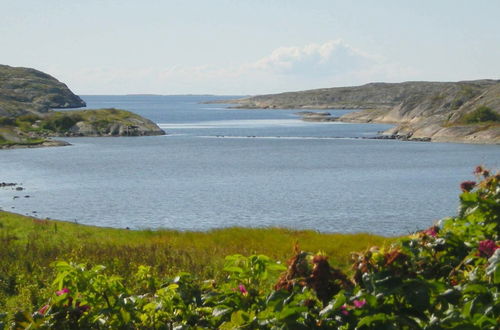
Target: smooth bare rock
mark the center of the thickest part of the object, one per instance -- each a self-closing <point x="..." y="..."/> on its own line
<point x="421" y="110"/>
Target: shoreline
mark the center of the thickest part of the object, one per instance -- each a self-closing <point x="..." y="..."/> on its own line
<point x="61" y="143"/>
<point x="487" y="133"/>
<point x="159" y="231"/>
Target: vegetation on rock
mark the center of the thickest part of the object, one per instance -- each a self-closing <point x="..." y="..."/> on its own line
<point x="25" y="90"/>
<point x="32" y="129"/>
<point x="482" y="114"/>
<point x="27" y="97"/>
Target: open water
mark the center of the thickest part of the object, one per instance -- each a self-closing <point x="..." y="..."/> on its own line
<point x="220" y="167"/>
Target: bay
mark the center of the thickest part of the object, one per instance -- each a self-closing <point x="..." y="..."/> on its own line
<point x="220" y="167"/>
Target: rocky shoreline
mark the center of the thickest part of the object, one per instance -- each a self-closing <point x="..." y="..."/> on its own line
<point x="46" y="143"/>
<point x="462" y="112"/>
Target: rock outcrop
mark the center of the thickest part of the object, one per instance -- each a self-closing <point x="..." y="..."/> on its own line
<point x="316" y="116"/>
<point x="27" y="118"/>
<point x="110" y="122"/>
<point x="421" y="110"/>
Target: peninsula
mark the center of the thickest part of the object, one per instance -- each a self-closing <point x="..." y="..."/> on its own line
<point x="465" y="111"/>
<point x="28" y="98"/>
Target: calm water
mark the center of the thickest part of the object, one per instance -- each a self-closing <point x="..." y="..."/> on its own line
<point x="220" y="167"/>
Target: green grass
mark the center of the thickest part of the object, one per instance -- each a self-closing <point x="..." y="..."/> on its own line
<point x="10" y="137"/>
<point x="30" y="245"/>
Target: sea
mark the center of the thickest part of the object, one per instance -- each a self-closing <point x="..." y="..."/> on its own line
<point x="220" y="167"/>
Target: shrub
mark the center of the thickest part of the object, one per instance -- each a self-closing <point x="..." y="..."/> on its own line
<point x="481" y="115"/>
<point x="60" y="122"/>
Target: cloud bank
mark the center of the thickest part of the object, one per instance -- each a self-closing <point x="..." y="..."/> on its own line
<point x="331" y="58"/>
<point x="332" y="63"/>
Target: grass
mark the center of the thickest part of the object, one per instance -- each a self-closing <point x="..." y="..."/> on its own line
<point x="10" y="137"/>
<point x="30" y="245"/>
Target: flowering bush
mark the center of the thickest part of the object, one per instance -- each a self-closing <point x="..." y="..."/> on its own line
<point x="446" y="276"/>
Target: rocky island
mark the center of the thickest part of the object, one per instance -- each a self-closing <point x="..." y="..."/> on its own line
<point x="465" y="111"/>
<point x="27" y="118"/>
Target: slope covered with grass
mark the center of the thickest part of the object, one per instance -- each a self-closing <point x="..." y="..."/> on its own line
<point x="30" y="246"/>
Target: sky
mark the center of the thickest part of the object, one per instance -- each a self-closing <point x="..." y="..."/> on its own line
<point x="249" y="47"/>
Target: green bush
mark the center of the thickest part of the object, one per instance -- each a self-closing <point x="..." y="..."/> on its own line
<point x="481" y="115"/>
<point x="447" y="276"/>
<point x="60" y="122"/>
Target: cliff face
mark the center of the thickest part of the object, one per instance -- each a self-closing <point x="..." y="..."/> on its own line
<point x="432" y="110"/>
<point x="24" y="90"/>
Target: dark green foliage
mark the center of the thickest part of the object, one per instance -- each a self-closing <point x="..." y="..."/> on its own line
<point x="60" y="122"/>
<point x="481" y="115"/>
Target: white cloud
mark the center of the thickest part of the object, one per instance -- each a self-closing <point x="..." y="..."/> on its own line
<point x="333" y="63"/>
<point x="330" y="58"/>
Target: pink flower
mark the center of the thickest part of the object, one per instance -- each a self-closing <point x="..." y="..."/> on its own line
<point x="343" y="310"/>
<point x="359" y="303"/>
<point x="467" y="185"/>
<point x="43" y="310"/>
<point x="242" y="289"/>
<point x="432" y="231"/>
<point x="63" y="291"/>
<point x="487" y="248"/>
<point x="82" y="308"/>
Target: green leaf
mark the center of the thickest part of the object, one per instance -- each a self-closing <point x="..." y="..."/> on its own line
<point x="417" y="294"/>
<point x="375" y="318"/>
<point x="125" y="316"/>
<point x="474" y="288"/>
<point x="221" y="311"/>
<point x="288" y="312"/>
<point x="233" y="269"/>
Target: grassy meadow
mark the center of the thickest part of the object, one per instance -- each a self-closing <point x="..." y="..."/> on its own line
<point x="29" y="246"/>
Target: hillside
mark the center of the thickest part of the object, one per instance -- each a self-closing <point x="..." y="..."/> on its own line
<point x="27" y="97"/>
<point x="24" y="90"/>
<point x="440" y="111"/>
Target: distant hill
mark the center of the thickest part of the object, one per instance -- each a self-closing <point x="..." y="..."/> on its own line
<point x="24" y="90"/>
<point x="465" y="111"/>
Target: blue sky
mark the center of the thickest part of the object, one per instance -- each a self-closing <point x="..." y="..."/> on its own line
<point x="249" y="47"/>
